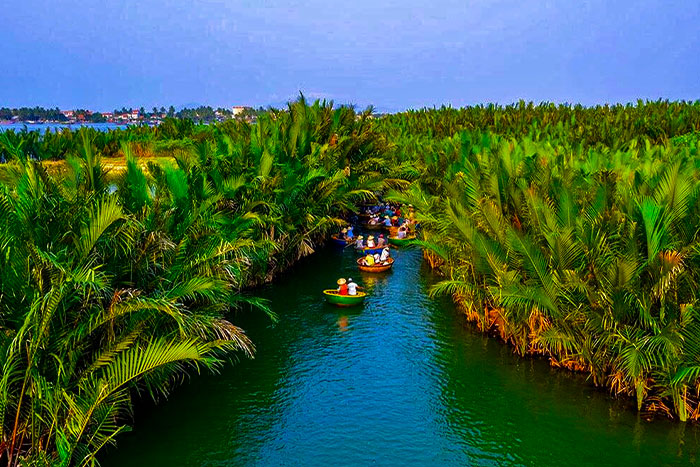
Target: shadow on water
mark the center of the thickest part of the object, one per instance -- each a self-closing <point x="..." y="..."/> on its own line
<point x="400" y="380"/>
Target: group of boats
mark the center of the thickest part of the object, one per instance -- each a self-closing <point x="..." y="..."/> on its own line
<point x="394" y="239"/>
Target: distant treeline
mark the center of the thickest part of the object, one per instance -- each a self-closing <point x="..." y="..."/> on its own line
<point x="659" y="122"/>
<point x="203" y="114"/>
<point x="601" y="124"/>
<point x="32" y="113"/>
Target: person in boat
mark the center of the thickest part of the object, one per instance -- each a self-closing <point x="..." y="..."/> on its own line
<point x="385" y="254"/>
<point x="369" y="260"/>
<point x="349" y="235"/>
<point x="343" y="234"/>
<point x="342" y="286"/>
<point x="395" y="221"/>
<point x="376" y="258"/>
<point x="359" y="243"/>
<point x="401" y="234"/>
<point x="370" y="242"/>
<point x="381" y="241"/>
<point x="352" y="287"/>
<point x="387" y="221"/>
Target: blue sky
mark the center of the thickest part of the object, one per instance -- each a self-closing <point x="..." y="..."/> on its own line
<point x="394" y="54"/>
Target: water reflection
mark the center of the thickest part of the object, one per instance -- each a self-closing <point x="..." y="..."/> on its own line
<point x="343" y="323"/>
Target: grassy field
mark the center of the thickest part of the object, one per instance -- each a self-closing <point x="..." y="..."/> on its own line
<point x="115" y="166"/>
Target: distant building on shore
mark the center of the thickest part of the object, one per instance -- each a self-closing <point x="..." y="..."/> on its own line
<point x="238" y="110"/>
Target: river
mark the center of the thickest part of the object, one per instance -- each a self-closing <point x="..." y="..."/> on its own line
<point x="399" y="381"/>
<point x="54" y="127"/>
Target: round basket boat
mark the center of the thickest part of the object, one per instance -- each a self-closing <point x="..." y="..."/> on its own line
<point x="401" y="241"/>
<point x="381" y="267"/>
<point x="371" y="250"/>
<point x="334" y="298"/>
<point x="338" y="241"/>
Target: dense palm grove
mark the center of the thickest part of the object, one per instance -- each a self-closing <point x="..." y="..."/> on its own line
<point x="114" y="287"/>
<point x="579" y="248"/>
<point x="569" y="232"/>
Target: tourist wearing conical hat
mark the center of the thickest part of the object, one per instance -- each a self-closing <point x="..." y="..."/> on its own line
<point x="359" y="243"/>
<point x="342" y="286"/>
<point x="370" y="241"/>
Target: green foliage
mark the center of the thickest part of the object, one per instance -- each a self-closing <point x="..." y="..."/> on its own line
<point x="588" y="256"/>
<point x="110" y="289"/>
<point x="569" y="232"/>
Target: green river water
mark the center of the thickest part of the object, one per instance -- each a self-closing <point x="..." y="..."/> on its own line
<point x="399" y="381"/>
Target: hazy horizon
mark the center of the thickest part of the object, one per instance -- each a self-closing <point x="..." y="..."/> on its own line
<point x="390" y="54"/>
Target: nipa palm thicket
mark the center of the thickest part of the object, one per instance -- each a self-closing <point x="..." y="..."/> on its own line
<point x="590" y="256"/>
<point x="114" y="286"/>
<point x="609" y="125"/>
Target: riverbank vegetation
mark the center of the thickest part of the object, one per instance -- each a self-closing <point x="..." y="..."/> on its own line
<point x="569" y="232"/>
<point x="111" y="288"/>
<point x="580" y="248"/>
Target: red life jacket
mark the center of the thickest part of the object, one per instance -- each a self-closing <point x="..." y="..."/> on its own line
<point x="343" y="289"/>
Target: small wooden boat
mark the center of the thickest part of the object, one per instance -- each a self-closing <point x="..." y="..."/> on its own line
<point x="380" y="267"/>
<point x="334" y="298"/>
<point x="371" y="250"/>
<point x="338" y="241"/>
<point x="402" y="241"/>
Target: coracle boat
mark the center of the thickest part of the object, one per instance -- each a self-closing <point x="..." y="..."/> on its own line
<point x="338" y="241"/>
<point x="380" y="267"/>
<point x="402" y="241"/>
<point x="371" y="250"/>
<point x="334" y="298"/>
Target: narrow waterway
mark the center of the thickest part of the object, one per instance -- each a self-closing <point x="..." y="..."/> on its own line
<point x="399" y="381"/>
